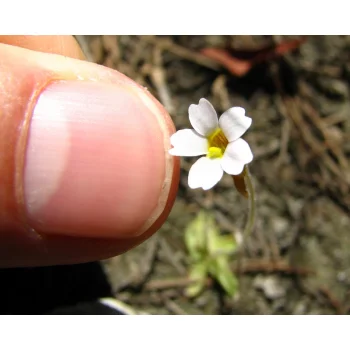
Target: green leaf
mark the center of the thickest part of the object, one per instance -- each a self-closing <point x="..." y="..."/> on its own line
<point x="213" y="233"/>
<point x="195" y="237"/>
<point x="198" y="272"/>
<point x="219" y="269"/>
<point x="222" y="245"/>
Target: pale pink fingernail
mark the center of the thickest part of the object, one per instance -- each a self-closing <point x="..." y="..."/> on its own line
<point x="95" y="161"/>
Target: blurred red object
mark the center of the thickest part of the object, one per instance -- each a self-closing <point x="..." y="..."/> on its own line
<point x="239" y="63"/>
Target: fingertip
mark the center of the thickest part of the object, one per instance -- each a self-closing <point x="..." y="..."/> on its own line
<point x="102" y="168"/>
<point x="66" y="178"/>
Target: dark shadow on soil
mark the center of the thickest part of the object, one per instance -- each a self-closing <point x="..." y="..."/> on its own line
<point x="260" y="78"/>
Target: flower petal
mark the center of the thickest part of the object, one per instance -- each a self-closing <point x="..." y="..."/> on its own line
<point x="203" y="117"/>
<point x="205" y="173"/>
<point x="234" y="123"/>
<point x="236" y="155"/>
<point x="188" y="143"/>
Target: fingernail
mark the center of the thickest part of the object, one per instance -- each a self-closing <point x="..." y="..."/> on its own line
<point x="95" y="161"/>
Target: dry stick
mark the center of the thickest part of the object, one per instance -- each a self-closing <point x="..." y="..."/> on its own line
<point x="285" y="135"/>
<point x="295" y="114"/>
<point x="333" y="301"/>
<point x="311" y="113"/>
<point x="85" y="47"/>
<point x="310" y="139"/>
<point x="158" y="78"/>
<point x="219" y="90"/>
<point x="286" y="126"/>
<point x="250" y="266"/>
<point x="316" y="147"/>
<point x="335" y="118"/>
<point x="180" y="282"/>
<point x="268" y="150"/>
<point x="168" y="45"/>
<point x="174" y="308"/>
<point x="319" y="122"/>
<point x="258" y="265"/>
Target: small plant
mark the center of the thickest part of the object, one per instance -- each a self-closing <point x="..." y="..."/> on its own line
<point x="210" y="254"/>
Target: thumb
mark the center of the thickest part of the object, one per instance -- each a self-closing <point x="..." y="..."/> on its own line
<point x="85" y="171"/>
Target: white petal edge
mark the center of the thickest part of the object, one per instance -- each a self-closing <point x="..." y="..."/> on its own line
<point x="234" y="123"/>
<point x="188" y="143"/>
<point x="205" y="173"/>
<point x="237" y="154"/>
<point x="203" y="117"/>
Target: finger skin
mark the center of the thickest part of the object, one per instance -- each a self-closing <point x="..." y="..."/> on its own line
<point x="22" y="80"/>
<point x="64" y="45"/>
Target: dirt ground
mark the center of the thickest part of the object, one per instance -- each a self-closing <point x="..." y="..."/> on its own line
<point x="297" y="93"/>
<point x="297" y="259"/>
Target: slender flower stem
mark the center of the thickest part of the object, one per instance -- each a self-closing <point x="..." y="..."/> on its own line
<point x="251" y="196"/>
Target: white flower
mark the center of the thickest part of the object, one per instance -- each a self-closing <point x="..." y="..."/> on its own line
<point x="219" y="140"/>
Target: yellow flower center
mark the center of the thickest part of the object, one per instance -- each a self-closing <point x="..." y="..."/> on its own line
<point x="217" y="143"/>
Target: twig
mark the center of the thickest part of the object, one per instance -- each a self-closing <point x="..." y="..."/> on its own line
<point x="333" y="301"/>
<point x="173" y="307"/>
<point x="158" y="78"/>
<point x="335" y="118"/>
<point x="249" y="266"/>
<point x="253" y="266"/>
<point x="219" y="90"/>
<point x="311" y="113"/>
<point x="168" y="45"/>
<point x="285" y="136"/>
<point x="179" y="282"/>
<point x="311" y="140"/>
<point x="294" y="113"/>
<point x="272" y="147"/>
<point x="85" y="47"/>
